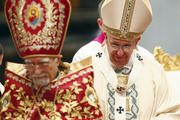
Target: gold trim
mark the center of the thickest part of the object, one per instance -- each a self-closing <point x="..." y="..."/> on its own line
<point x="123" y="32"/>
<point x="170" y="63"/>
<point x="81" y="64"/>
<point x="127" y="16"/>
<point x="128" y="105"/>
<point x="115" y="33"/>
<point x="21" y="30"/>
<point x="65" y="32"/>
<point x="40" y="55"/>
<point x="90" y="91"/>
<point x="16" y="68"/>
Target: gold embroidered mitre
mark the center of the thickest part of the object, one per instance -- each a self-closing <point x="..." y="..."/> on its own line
<point x="126" y="19"/>
<point x="38" y="27"/>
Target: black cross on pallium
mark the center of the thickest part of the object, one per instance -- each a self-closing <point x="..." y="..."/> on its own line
<point x="120" y="110"/>
<point x="99" y="54"/>
<point x="139" y="58"/>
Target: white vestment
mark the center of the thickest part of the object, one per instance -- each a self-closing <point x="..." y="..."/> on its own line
<point x="147" y="97"/>
<point x="93" y="47"/>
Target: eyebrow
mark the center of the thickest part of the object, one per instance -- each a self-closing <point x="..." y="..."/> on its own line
<point x="43" y="60"/>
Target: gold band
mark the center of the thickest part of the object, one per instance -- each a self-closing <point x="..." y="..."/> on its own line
<point x="115" y="33"/>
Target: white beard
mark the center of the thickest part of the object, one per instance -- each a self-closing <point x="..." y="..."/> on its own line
<point x="40" y="80"/>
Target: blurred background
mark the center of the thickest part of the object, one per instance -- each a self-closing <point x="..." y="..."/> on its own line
<point x="164" y="30"/>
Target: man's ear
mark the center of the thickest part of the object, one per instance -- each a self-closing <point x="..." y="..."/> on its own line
<point x="59" y="58"/>
<point x="137" y="40"/>
<point x="99" y="21"/>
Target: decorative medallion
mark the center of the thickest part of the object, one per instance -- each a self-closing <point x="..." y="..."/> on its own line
<point x="34" y="15"/>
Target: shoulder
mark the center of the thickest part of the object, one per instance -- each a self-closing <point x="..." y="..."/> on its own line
<point x="81" y="64"/>
<point x="16" y="68"/>
<point x="149" y="61"/>
<point x="145" y="52"/>
<point x="87" y="50"/>
<point x="89" y="46"/>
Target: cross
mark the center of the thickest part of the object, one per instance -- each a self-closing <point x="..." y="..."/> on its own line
<point x="120" y="110"/>
<point x="99" y="54"/>
<point x="120" y="89"/>
<point x="139" y="58"/>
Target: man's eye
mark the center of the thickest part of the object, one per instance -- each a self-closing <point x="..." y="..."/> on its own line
<point x="28" y="63"/>
<point x="126" y="46"/>
<point x="114" y="45"/>
<point x="43" y="63"/>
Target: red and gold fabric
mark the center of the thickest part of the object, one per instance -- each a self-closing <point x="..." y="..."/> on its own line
<point x="71" y="97"/>
<point x="38" y="27"/>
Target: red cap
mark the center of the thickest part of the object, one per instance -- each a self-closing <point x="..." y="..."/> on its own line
<point x="38" y="27"/>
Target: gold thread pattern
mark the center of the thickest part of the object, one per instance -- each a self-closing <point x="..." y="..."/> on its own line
<point x="115" y="33"/>
<point x="127" y="17"/>
<point x="125" y="24"/>
<point x="48" y="37"/>
<point x="69" y="97"/>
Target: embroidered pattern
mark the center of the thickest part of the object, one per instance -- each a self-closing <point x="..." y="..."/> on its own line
<point x="70" y="97"/>
<point x="131" y="94"/>
<point x="99" y="54"/>
<point x="134" y="109"/>
<point x="139" y="57"/>
<point x="127" y="17"/>
<point x="124" y="70"/>
<point x="34" y="15"/>
<point x="111" y="102"/>
<point x="34" y="19"/>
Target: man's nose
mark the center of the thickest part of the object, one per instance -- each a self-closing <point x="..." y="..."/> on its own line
<point x="37" y="70"/>
<point x="120" y="52"/>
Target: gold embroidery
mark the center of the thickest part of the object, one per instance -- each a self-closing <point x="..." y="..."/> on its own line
<point x="122" y="79"/>
<point x="5" y="102"/>
<point x="85" y="80"/>
<point x="170" y="63"/>
<point x="79" y="65"/>
<point x="48" y="105"/>
<point x="48" y="37"/>
<point x="122" y="82"/>
<point x="125" y="24"/>
<point x="127" y="17"/>
<point x="90" y="96"/>
<point x="13" y="86"/>
<point x="68" y="100"/>
<point x="115" y="33"/>
<point x="128" y="105"/>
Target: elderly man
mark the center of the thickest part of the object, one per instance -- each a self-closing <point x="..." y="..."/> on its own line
<point x="92" y="47"/>
<point x="39" y="90"/>
<point x="129" y="85"/>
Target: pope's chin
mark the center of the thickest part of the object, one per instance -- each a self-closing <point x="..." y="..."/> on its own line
<point x="118" y="63"/>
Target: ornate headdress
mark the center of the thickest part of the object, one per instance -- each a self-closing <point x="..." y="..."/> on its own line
<point x="126" y="19"/>
<point x="38" y="27"/>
